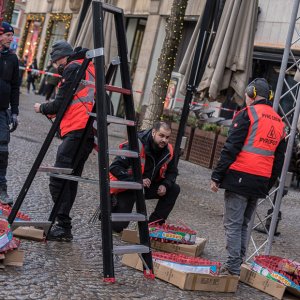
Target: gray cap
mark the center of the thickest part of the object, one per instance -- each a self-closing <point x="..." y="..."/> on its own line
<point x="61" y="49"/>
<point x="262" y="87"/>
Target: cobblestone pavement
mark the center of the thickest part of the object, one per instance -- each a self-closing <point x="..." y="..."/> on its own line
<point x="74" y="270"/>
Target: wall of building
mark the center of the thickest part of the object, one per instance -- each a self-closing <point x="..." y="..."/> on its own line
<point x="273" y="23"/>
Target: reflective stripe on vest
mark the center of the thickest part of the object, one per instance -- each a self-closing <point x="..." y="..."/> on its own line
<point x="76" y="116"/>
<point x="250" y="145"/>
<point x="162" y="169"/>
<point x="266" y="130"/>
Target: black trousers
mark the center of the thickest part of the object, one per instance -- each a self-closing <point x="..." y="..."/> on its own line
<point x="65" y="159"/>
<point x="165" y="204"/>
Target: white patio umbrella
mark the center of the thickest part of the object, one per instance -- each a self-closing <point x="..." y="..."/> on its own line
<point x="230" y="61"/>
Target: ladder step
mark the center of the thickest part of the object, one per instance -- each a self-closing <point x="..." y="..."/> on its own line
<point x="114" y="184"/>
<point x="43" y="224"/>
<point x="126" y="185"/>
<point x="115" y="120"/>
<point x="131" y="249"/>
<point x="55" y="170"/>
<point x="117" y="89"/>
<point x="74" y="178"/>
<point x="116" y="217"/>
<point x="126" y="153"/>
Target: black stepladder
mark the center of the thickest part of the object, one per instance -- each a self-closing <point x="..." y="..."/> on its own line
<point x="107" y="217"/>
<point x="102" y="119"/>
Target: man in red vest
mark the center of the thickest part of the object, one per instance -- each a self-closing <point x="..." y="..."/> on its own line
<point x="250" y="163"/>
<point x="72" y="127"/>
<point x="159" y="175"/>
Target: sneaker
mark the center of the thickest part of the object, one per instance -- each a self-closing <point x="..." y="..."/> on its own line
<point x="225" y="272"/>
<point x="4" y="198"/>
<point x="60" y="234"/>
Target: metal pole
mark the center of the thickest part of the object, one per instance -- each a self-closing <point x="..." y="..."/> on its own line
<point x="197" y="67"/>
<point x="286" y="55"/>
<point x="283" y="176"/>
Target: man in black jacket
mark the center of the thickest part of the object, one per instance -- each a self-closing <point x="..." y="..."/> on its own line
<point x="72" y="127"/>
<point x="251" y="161"/>
<point x="9" y="91"/>
<point x="159" y="175"/>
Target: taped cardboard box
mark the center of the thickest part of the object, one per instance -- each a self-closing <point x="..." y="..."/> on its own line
<point x="13" y="258"/>
<point x="29" y="233"/>
<point x="186" y="281"/>
<point x="267" y="285"/>
<point x="195" y="250"/>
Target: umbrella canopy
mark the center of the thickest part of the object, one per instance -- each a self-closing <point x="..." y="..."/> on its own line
<point x="230" y="61"/>
<point x="85" y="35"/>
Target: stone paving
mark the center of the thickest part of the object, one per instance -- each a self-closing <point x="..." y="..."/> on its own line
<point x="74" y="270"/>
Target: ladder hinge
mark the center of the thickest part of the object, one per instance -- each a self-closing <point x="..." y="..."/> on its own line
<point x="94" y="53"/>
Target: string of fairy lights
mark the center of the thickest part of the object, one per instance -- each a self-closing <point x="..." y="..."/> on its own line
<point x="54" y="19"/>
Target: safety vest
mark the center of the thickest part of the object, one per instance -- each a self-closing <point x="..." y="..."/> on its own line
<point x="76" y="116"/>
<point x="265" y="133"/>
<point x="162" y="170"/>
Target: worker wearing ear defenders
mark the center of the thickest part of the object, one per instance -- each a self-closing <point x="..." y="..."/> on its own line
<point x="251" y="161"/>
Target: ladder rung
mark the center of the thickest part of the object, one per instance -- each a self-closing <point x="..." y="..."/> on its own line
<point x="55" y="170"/>
<point x="116" y="217"/>
<point x="74" y="178"/>
<point x="126" y="185"/>
<point x="115" y="120"/>
<point x="114" y="184"/>
<point x="131" y="249"/>
<point x="42" y="224"/>
<point x="117" y="89"/>
<point x="126" y="153"/>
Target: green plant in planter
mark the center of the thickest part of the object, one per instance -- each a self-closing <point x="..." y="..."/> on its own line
<point x="224" y="131"/>
<point x="192" y="121"/>
<point x="210" y="127"/>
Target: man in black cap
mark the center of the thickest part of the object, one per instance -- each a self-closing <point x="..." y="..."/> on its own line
<point x="72" y="127"/>
<point x="251" y="161"/>
<point x="9" y="103"/>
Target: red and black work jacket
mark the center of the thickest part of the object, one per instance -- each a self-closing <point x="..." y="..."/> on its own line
<point x="252" y="157"/>
<point x="265" y="133"/>
<point x="162" y="170"/>
<point x="76" y="116"/>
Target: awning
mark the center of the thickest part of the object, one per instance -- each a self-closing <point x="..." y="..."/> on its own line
<point x="271" y="54"/>
<point x="230" y="61"/>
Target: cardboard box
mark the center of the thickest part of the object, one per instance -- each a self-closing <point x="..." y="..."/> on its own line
<point x="29" y="233"/>
<point x="14" y="258"/>
<point x="266" y="285"/>
<point x="186" y="281"/>
<point x="195" y="250"/>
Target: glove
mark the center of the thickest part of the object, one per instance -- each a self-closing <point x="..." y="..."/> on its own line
<point x="14" y="122"/>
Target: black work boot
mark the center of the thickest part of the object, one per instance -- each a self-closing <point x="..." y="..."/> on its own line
<point x="60" y="234"/>
<point x="4" y="198"/>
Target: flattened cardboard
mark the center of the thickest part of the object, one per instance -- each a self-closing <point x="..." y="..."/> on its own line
<point x="186" y="281"/>
<point x="265" y="284"/>
<point x="29" y="233"/>
<point x="14" y="258"/>
<point x="195" y="250"/>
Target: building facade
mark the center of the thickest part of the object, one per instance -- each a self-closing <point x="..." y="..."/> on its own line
<point x="47" y="21"/>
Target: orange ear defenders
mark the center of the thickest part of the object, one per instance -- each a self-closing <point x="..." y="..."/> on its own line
<point x="252" y="93"/>
<point x="271" y="95"/>
<point x="251" y="90"/>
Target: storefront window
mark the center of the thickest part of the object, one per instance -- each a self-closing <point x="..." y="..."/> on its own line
<point x="31" y="44"/>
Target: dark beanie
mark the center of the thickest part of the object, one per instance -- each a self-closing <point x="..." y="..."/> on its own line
<point x="61" y="49"/>
<point x="7" y="28"/>
<point x="262" y="87"/>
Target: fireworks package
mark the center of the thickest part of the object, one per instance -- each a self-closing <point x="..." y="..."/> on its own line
<point x="170" y="233"/>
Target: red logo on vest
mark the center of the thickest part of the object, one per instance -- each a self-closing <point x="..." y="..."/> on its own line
<point x="272" y="134"/>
